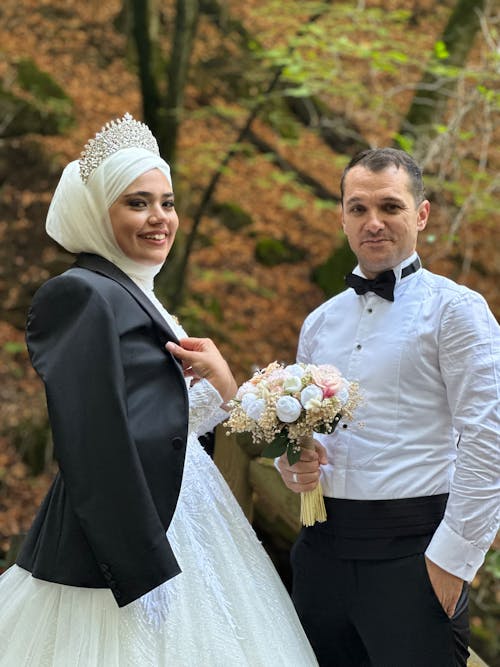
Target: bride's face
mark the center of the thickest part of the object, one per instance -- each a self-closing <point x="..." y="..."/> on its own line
<point x="144" y="219"/>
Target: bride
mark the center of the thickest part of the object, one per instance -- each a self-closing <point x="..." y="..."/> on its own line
<point x="139" y="554"/>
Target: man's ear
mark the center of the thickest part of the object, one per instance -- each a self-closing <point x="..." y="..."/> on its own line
<point x="423" y="214"/>
<point x="341" y="216"/>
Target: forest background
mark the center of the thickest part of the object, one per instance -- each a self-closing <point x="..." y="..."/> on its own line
<point x="258" y="106"/>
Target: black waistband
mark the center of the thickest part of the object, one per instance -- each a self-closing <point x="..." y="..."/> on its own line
<point x="367" y="519"/>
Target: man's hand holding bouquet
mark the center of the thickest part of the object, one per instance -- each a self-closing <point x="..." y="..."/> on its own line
<point x="282" y="406"/>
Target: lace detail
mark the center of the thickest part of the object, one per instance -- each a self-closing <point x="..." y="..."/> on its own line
<point x="204" y="408"/>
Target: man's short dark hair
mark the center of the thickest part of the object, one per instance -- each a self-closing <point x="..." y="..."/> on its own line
<point x="378" y="159"/>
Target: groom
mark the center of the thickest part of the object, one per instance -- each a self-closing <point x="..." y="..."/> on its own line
<point x="412" y="484"/>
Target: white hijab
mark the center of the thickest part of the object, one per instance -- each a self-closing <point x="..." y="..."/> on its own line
<point x="78" y="217"/>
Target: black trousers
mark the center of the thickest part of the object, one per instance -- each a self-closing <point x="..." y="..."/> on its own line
<point x="373" y="612"/>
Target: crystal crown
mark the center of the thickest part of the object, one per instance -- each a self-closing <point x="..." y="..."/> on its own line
<point x="121" y="133"/>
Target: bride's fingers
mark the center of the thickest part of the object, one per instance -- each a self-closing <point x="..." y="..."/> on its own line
<point x="197" y="344"/>
<point x="193" y="363"/>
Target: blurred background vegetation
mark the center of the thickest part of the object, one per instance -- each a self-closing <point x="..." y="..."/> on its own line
<point x="258" y="106"/>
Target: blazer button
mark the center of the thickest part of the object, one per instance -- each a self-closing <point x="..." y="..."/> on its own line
<point x="177" y="443"/>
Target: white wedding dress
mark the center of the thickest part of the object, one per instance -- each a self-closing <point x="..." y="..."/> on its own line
<point x="228" y="607"/>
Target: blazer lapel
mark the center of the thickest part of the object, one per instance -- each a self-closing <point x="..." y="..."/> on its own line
<point x="104" y="267"/>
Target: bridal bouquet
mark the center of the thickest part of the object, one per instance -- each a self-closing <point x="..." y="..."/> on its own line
<point x="282" y="405"/>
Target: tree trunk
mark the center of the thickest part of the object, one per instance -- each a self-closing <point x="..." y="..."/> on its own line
<point x="146" y="58"/>
<point x="178" y="286"/>
<point x="186" y="22"/>
<point x="437" y="85"/>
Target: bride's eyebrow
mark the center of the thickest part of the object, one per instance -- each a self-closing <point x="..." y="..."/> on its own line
<point x="144" y="193"/>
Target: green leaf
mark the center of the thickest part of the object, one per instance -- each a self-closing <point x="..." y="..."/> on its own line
<point x="331" y="426"/>
<point x="492" y="563"/>
<point x="292" y="453"/>
<point x="324" y="205"/>
<point x="440" y="50"/>
<point x="277" y="447"/>
<point x="405" y="143"/>
<point x="441" y="129"/>
<point x="291" y="201"/>
<point x="12" y="347"/>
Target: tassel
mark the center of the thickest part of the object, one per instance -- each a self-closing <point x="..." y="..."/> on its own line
<point x="312" y="505"/>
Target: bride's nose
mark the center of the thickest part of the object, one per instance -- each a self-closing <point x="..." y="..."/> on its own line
<point x="157" y="217"/>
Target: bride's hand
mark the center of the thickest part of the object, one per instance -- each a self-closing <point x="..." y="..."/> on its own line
<point x="201" y="359"/>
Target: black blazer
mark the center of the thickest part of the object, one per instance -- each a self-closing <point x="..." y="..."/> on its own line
<point x="118" y="410"/>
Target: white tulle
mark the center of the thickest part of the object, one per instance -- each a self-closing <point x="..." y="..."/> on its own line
<point x="228" y="608"/>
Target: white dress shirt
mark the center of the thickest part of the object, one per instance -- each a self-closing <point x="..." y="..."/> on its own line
<point x="428" y="366"/>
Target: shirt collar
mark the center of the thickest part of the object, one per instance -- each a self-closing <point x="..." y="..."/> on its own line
<point x="399" y="268"/>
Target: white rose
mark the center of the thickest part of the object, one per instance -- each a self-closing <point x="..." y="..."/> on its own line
<point x="292" y="384"/>
<point x="246" y="388"/>
<point x="311" y="396"/>
<point x="247" y="399"/>
<point x="288" y="409"/>
<point x="296" y="370"/>
<point x="255" y="408"/>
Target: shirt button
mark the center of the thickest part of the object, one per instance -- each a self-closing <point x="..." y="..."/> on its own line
<point x="177" y="443"/>
<point x="358" y="346"/>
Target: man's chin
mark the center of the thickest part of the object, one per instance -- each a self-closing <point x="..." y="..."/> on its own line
<point x="375" y="262"/>
<point x="372" y="269"/>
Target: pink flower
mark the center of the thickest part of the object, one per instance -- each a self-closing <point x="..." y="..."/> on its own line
<point x="328" y="378"/>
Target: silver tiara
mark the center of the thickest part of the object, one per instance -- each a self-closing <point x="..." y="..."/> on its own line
<point x="121" y="133"/>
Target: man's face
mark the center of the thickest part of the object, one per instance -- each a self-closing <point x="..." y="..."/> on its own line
<point x="380" y="217"/>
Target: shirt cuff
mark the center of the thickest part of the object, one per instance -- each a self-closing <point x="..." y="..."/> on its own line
<point x="454" y="554"/>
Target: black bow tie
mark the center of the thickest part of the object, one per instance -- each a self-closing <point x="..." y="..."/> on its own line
<point x="383" y="284"/>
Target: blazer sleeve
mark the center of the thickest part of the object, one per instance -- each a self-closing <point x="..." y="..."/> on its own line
<point x="74" y="346"/>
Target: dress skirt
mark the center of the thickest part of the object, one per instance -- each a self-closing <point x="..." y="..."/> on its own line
<point x="228" y="607"/>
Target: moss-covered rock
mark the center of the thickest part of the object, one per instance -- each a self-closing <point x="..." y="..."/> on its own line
<point x="33" y="441"/>
<point x="330" y="275"/>
<point x="271" y="251"/>
<point x="37" y="82"/>
<point x="45" y="109"/>
<point x="232" y="216"/>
